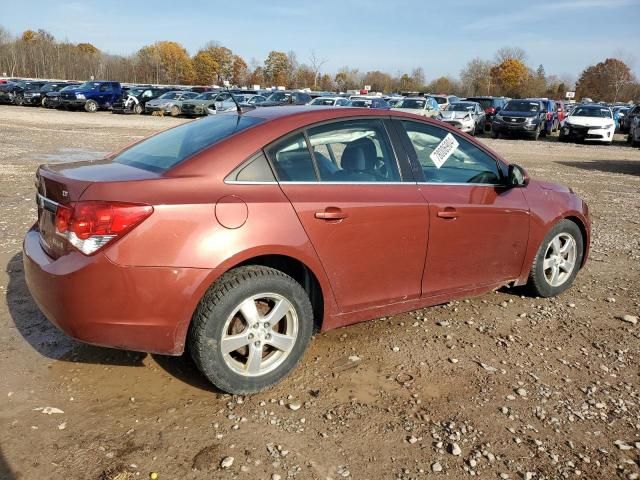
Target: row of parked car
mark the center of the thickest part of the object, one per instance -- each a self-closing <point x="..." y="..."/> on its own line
<point x="531" y="117"/>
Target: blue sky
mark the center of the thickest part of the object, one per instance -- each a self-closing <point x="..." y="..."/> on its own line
<point x="440" y="36"/>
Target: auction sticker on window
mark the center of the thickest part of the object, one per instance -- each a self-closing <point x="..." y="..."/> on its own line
<point x="444" y="150"/>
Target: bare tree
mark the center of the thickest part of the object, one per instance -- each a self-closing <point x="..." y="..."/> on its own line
<point x="316" y="65"/>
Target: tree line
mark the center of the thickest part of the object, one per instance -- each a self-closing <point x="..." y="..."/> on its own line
<point x="36" y="53"/>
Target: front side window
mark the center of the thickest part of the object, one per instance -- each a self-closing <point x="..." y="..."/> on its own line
<point x="448" y="158"/>
<point x="353" y="151"/>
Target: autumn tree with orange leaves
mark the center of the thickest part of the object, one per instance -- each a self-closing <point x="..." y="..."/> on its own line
<point x="510" y="77"/>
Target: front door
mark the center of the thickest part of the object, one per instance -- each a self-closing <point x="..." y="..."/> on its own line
<point x="368" y="227"/>
<point x="479" y="227"/>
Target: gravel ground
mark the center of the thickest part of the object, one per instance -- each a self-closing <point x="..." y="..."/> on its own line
<point x="497" y="386"/>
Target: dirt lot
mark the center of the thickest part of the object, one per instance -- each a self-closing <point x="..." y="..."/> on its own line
<point x="498" y="386"/>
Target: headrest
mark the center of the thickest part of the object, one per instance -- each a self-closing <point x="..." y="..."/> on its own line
<point x="359" y="155"/>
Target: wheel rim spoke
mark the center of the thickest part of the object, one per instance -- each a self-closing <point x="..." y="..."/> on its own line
<point x="281" y="342"/>
<point x="555" y="271"/>
<point x="548" y="263"/>
<point x="556" y="245"/>
<point x="567" y="266"/>
<point x="250" y="311"/>
<point x="566" y="248"/>
<point x="231" y="343"/>
<point x="278" y="312"/>
<point x="254" y="361"/>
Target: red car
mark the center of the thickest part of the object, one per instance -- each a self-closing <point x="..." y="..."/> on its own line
<point x="239" y="235"/>
<point x="562" y="111"/>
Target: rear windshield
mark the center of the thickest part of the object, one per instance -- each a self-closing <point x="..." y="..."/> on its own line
<point x="165" y="150"/>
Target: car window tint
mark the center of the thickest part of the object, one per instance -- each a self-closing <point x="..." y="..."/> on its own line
<point x="353" y="151"/>
<point x="467" y="163"/>
<point x="167" y="149"/>
<point x="292" y="160"/>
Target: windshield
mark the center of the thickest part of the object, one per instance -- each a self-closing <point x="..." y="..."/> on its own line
<point x="522" y="106"/>
<point x="49" y="87"/>
<point x="460" y="107"/>
<point x="360" y="103"/>
<point x="165" y="150"/>
<point x="169" y="95"/>
<point x="89" y="86"/>
<point x="591" y="112"/>
<point x="278" y="97"/>
<point x="440" y="100"/>
<point x="322" y="101"/>
<point x="412" y="103"/>
<point x="484" y="102"/>
<point x="135" y="92"/>
<point x="206" y="96"/>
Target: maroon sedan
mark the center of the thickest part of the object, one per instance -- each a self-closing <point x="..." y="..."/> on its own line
<point x="239" y="235"/>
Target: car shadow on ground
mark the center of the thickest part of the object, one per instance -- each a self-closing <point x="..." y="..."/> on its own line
<point x="51" y="343"/>
<point x="185" y="370"/>
<point x="627" y="167"/>
<point x="44" y="337"/>
<point x="5" y="470"/>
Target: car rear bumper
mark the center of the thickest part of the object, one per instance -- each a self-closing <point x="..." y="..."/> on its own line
<point x="102" y="303"/>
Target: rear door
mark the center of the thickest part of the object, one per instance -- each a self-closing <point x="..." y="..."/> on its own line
<point x="478" y="227"/>
<point x="366" y="220"/>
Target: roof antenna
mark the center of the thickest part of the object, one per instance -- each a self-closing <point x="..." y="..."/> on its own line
<point x="238" y="107"/>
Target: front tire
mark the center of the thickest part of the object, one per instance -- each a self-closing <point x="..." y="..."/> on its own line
<point x="250" y="329"/>
<point x="137" y="109"/>
<point x="91" y="106"/>
<point x="175" y="111"/>
<point x="557" y="261"/>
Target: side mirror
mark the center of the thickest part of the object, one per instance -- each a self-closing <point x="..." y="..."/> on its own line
<point x="517" y="176"/>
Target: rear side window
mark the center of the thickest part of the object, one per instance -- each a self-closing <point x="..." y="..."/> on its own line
<point x="464" y="163"/>
<point x="165" y="150"/>
<point x="256" y="169"/>
<point x="292" y="160"/>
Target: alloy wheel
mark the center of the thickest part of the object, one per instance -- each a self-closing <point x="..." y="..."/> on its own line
<point x="559" y="259"/>
<point x="259" y="335"/>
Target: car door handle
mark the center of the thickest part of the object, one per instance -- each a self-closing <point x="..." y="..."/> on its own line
<point x="331" y="213"/>
<point x="448" y="213"/>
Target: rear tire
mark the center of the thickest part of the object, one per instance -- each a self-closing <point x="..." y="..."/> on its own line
<point x="557" y="261"/>
<point x="175" y="111"/>
<point x="137" y="109"/>
<point x="235" y="313"/>
<point x="91" y="106"/>
<point x="19" y="100"/>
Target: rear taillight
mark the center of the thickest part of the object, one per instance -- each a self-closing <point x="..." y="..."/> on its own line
<point x="89" y="226"/>
<point x="549" y="116"/>
<point x="490" y="110"/>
